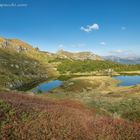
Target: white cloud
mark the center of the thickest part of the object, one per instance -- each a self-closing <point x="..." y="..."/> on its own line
<point x="103" y="43"/>
<point x="90" y="28"/>
<point x="123" y="28"/>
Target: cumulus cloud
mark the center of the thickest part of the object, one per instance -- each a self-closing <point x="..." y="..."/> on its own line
<point x="103" y="43"/>
<point x="90" y="28"/>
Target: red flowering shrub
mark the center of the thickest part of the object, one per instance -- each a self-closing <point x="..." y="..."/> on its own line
<point x="27" y="117"/>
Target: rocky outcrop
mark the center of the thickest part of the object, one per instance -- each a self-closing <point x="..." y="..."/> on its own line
<point x="23" y="84"/>
<point x="15" y="44"/>
<point x="21" y="64"/>
<point x="77" y="56"/>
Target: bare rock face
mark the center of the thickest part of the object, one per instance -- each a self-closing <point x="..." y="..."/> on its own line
<point x="15" y="44"/>
<point x="78" y="55"/>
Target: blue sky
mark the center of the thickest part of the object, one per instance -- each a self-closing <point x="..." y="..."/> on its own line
<point x="106" y="27"/>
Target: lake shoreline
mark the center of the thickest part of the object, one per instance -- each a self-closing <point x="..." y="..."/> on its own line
<point x="64" y="77"/>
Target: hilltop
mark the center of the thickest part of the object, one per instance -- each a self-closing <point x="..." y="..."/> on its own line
<point x="21" y="64"/>
<point x="77" y="55"/>
<point x="15" y="44"/>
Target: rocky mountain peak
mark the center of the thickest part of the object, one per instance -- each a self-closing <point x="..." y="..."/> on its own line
<point x="77" y="55"/>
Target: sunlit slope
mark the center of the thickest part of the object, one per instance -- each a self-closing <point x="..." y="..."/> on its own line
<point x="20" y="63"/>
<point x="77" y="55"/>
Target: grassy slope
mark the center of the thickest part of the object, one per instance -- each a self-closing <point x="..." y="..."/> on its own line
<point x="30" y="117"/>
<point x="19" y="68"/>
<point x="100" y="92"/>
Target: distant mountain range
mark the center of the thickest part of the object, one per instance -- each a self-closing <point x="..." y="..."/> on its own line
<point x="123" y="60"/>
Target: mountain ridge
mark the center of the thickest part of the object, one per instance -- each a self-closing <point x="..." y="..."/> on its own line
<point x="15" y="44"/>
<point x="77" y="55"/>
<point x="123" y="60"/>
<point x="21" y="64"/>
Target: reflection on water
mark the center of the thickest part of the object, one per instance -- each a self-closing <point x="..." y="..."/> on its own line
<point x="47" y="86"/>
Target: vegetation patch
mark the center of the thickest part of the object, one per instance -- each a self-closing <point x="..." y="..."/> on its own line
<point x="104" y="67"/>
<point x="101" y="93"/>
<point x="45" y="119"/>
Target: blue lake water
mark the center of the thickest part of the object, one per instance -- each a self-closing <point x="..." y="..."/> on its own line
<point x="128" y="80"/>
<point x="47" y="86"/>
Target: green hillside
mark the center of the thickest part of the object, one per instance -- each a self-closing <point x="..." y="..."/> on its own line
<point x="94" y="65"/>
<point x="21" y="64"/>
